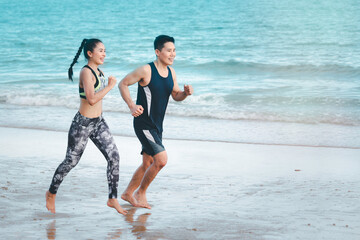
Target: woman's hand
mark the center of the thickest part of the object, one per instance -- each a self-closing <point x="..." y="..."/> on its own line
<point x="111" y="81"/>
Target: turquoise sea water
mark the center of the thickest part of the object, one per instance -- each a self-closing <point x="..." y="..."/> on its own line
<point x="267" y="72"/>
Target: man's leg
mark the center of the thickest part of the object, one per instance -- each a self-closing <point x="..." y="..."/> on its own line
<point x="136" y="179"/>
<point x="160" y="161"/>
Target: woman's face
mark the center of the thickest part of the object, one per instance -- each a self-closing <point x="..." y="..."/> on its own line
<point x="98" y="54"/>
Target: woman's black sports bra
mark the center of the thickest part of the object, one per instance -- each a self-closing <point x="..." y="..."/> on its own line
<point x="99" y="84"/>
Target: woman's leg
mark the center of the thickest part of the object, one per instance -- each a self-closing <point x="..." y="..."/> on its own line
<point x="104" y="141"/>
<point x="77" y="139"/>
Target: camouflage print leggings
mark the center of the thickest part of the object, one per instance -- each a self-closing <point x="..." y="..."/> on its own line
<point x="83" y="128"/>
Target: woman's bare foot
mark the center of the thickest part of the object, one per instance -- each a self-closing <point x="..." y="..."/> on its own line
<point x="113" y="202"/>
<point x="141" y="200"/>
<point x="129" y="198"/>
<point x="50" y="201"/>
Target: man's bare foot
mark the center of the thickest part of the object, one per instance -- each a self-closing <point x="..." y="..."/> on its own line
<point x="50" y="201"/>
<point x="113" y="202"/>
<point x="129" y="198"/>
<point x="141" y="200"/>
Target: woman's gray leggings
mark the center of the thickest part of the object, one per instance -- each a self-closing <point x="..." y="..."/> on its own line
<point x="83" y="128"/>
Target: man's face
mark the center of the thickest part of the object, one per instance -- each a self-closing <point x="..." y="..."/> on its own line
<point x="167" y="53"/>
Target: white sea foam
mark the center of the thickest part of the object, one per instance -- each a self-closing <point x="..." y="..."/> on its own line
<point x="243" y="104"/>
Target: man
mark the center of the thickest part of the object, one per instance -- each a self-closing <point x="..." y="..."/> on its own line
<point x="156" y="82"/>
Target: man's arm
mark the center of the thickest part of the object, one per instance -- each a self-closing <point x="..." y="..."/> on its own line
<point x="176" y="93"/>
<point x="137" y="75"/>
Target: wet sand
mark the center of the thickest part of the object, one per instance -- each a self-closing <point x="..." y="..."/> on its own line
<point x="208" y="190"/>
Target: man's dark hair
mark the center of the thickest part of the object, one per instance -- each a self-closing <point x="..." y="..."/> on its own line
<point x="161" y="40"/>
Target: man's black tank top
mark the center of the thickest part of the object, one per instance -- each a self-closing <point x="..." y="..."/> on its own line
<point x="154" y="99"/>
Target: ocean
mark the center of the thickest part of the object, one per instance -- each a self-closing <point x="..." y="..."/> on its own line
<point x="263" y="72"/>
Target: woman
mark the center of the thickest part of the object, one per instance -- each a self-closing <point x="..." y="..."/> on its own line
<point x="89" y="123"/>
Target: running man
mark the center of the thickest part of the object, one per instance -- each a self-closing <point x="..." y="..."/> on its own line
<point x="156" y="82"/>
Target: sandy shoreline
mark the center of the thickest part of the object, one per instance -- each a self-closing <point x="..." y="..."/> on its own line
<point x="208" y="190"/>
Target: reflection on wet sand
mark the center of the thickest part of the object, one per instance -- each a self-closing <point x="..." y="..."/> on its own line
<point x="139" y="225"/>
<point x="137" y="228"/>
<point x="51" y="230"/>
<point x="115" y="234"/>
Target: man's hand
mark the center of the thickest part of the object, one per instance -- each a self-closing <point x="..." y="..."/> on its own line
<point x="136" y="110"/>
<point x="188" y="90"/>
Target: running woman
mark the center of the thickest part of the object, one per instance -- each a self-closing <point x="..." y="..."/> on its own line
<point x="89" y="123"/>
<point x="156" y="82"/>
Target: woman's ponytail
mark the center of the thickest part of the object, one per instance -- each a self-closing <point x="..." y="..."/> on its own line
<point x="70" y="71"/>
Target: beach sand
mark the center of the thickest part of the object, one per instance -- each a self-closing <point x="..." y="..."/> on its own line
<point x="208" y="190"/>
